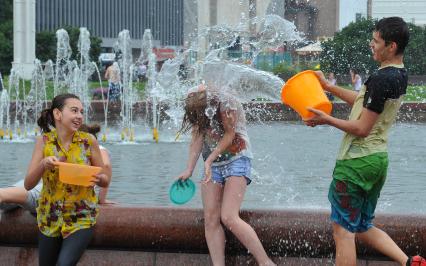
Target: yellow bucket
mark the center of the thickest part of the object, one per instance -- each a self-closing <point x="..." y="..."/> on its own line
<point x="304" y="90"/>
<point x="77" y="174"/>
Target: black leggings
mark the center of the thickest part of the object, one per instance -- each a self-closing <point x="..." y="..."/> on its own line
<point x="58" y="251"/>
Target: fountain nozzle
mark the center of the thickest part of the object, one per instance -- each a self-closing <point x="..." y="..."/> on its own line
<point x="155" y="134"/>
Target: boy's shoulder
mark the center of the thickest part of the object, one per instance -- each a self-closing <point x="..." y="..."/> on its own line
<point x="390" y="74"/>
<point x="391" y="79"/>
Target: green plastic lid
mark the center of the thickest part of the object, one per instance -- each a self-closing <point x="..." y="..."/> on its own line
<point x="182" y="191"/>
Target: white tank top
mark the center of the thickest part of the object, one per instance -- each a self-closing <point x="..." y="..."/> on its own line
<point x="358" y="84"/>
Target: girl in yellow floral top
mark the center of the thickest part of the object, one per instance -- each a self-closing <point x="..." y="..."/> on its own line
<point x="66" y="213"/>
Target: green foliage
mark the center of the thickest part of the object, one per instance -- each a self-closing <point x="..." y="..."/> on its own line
<point x="6" y="10"/>
<point x="138" y="85"/>
<point x="45" y="41"/>
<point x="415" y="53"/>
<point x="416" y="94"/>
<point x="350" y="49"/>
<point x="6" y="36"/>
<point x="46" y="45"/>
<point x="265" y="66"/>
<point x="6" y="46"/>
<point x="285" y="71"/>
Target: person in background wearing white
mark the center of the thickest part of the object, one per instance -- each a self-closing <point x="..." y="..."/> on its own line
<point x="356" y="80"/>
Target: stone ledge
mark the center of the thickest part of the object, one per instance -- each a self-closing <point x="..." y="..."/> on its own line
<point x="28" y="256"/>
<point x="284" y="233"/>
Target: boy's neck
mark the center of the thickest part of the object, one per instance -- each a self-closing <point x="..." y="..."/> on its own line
<point x="395" y="60"/>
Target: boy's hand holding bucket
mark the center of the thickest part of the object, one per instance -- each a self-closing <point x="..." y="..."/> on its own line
<point x="323" y="80"/>
<point x="320" y="118"/>
<point x="303" y="93"/>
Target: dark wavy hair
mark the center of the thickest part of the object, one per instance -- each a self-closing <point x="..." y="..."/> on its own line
<point x="394" y="29"/>
<point x="46" y="117"/>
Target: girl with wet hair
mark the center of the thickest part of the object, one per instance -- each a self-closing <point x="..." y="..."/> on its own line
<point x="219" y="133"/>
<point x="66" y="214"/>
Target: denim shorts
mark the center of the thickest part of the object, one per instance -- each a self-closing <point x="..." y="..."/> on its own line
<point x="238" y="167"/>
<point x="32" y="199"/>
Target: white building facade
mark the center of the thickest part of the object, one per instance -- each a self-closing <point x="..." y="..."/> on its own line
<point x="413" y="11"/>
<point x="350" y="11"/>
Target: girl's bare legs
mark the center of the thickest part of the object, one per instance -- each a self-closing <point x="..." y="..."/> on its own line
<point x="215" y="236"/>
<point x="16" y="195"/>
<point x="233" y="195"/>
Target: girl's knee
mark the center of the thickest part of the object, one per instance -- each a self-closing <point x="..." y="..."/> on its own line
<point x="211" y="220"/>
<point x="229" y="219"/>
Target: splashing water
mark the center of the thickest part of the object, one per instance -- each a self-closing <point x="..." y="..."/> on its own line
<point x="128" y="95"/>
<point x="82" y="74"/>
<point x="63" y="64"/>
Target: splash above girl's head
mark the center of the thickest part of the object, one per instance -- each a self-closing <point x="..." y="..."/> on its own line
<point x="65" y="108"/>
<point x="196" y="104"/>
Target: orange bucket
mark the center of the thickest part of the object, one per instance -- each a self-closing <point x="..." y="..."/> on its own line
<point x="77" y="174"/>
<point x="304" y="90"/>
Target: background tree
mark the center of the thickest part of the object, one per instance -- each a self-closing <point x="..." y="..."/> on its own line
<point x="415" y="54"/>
<point x="6" y="36"/>
<point x="350" y="49"/>
<point x="46" y="45"/>
<point x="45" y="41"/>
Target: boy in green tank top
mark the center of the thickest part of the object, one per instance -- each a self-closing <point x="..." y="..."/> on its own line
<point x="362" y="161"/>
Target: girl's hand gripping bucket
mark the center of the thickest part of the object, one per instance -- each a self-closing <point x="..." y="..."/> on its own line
<point x="304" y="90"/>
<point x="77" y="174"/>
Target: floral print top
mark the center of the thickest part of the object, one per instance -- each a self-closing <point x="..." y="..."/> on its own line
<point x="62" y="208"/>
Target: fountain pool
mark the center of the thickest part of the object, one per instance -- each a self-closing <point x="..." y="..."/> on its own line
<point x="292" y="167"/>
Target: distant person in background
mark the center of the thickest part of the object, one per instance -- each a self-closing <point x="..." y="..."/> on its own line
<point x="112" y="74"/>
<point x="356" y="80"/>
<point x="332" y="78"/>
<point x="142" y="72"/>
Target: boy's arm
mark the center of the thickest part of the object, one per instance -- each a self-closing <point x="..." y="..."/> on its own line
<point x="360" y="128"/>
<point x="107" y="73"/>
<point x="348" y="96"/>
